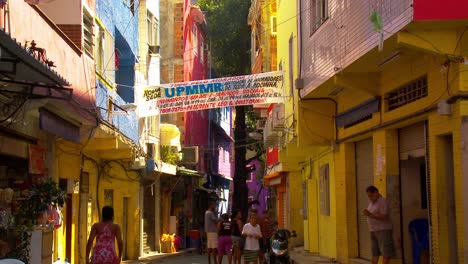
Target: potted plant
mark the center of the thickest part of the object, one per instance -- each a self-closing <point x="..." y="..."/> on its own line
<point x="42" y="196"/>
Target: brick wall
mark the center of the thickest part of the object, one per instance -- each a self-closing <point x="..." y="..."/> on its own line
<point x="178" y="32"/>
<point x="73" y="32"/>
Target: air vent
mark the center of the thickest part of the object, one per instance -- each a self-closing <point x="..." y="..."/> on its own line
<point x="408" y="93"/>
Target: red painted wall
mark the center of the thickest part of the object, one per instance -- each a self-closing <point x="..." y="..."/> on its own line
<point x="440" y="10"/>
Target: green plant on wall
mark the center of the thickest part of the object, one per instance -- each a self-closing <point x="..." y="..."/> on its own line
<point x="41" y="197"/>
<point x="169" y="156"/>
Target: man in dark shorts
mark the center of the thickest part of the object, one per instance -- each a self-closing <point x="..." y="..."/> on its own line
<point x="380" y="226"/>
<point x="266" y="226"/>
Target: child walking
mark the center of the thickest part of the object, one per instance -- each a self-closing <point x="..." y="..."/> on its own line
<point x="224" y="238"/>
<point x="252" y="234"/>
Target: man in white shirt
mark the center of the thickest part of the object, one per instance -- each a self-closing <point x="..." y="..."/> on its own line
<point x="211" y="230"/>
<point x="380" y="226"/>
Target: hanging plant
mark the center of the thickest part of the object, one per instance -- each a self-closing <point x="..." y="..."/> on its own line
<point x="41" y="197"/>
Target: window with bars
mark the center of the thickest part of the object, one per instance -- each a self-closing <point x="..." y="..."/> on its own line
<point x="88" y="33"/>
<point x="318" y="11"/>
<point x="408" y="93"/>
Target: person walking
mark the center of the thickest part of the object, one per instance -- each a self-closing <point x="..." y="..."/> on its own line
<point x="224" y="238"/>
<point x="237" y="239"/>
<point x="266" y="227"/>
<point x="380" y="226"/>
<point x="211" y="232"/>
<point x="252" y="234"/>
<point x="105" y="233"/>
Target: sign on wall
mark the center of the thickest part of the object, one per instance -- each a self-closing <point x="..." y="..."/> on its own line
<point x="263" y="88"/>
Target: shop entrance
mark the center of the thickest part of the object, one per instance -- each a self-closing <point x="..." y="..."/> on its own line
<point x="149" y="236"/>
<point x="364" y="178"/>
<point x="414" y="192"/>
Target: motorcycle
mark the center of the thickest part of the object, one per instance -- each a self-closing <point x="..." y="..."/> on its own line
<point x="280" y="246"/>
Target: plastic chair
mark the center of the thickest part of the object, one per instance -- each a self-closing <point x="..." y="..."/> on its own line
<point x="419" y="230"/>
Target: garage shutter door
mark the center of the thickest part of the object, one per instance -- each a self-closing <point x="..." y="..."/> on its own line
<point x="364" y="177"/>
<point x="412" y="141"/>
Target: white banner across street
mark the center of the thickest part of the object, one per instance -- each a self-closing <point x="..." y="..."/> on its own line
<point x="262" y="88"/>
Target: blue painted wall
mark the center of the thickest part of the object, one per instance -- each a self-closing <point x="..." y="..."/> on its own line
<point x="127" y="124"/>
<point x="119" y="20"/>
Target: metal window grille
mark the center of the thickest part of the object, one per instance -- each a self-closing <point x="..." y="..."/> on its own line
<point x="88" y="33"/>
<point x="408" y="93"/>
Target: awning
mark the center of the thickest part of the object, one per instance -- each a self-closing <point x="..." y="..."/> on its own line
<point x="56" y="125"/>
<point x="358" y="112"/>
<point x="186" y="172"/>
<point x="19" y="66"/>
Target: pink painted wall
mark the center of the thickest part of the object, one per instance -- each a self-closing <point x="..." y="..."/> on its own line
<point x="195" y="58"/>
<point x="440" y="10"/>
<point x="27" y="25"/>
<point x="196" y="122"/>
<point x="196" y="133"/>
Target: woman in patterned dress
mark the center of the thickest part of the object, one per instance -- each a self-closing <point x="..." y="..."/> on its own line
<point x="105" y="233"/>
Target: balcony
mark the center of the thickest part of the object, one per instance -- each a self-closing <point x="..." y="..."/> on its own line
<point x="57" y="52"/>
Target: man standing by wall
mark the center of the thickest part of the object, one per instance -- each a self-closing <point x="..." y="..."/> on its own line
<point x="380" y="226"/>
<point x="211" y="232"/>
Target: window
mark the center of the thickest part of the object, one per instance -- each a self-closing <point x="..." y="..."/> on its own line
<point x="152" y="25"/>
<point x="132" y="7"/>
<point x="195" y="40"/>
<point x="318" y="14"/>
<point x="408" y="93"/>
<point x="109" y="197"/>
<point x="88" y="33"/>
<point x="324" y="189"/>
<point x="251" y="200"/>
<point x="251" y="176"/>
<point x="202" y="50"/>
<point x="224" y="154"/>
<point x="291" y="66"/>
<point x="104" y="55"/>
<point x="273" y="27"/>
<point x="99" y="56"/>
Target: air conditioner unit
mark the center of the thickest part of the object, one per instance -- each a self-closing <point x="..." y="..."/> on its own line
<point x="189" y="156"/>
<point x="261" y="124"/>
<point x="271" y="138"/>
<point x="138" y="163"/>
<point x="277" y="117"/>
<point x="154" y="49"/>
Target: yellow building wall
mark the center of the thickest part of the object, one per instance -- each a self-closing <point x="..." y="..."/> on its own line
<point x="287" y="28"/>
<point x="67" y="166"/>
<point x="322" y="228"/>
<point x="123" y="183"/>
<point x="440" y="126"/>
<point x="296" y="220"/>
<point x="394" y="75"/>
